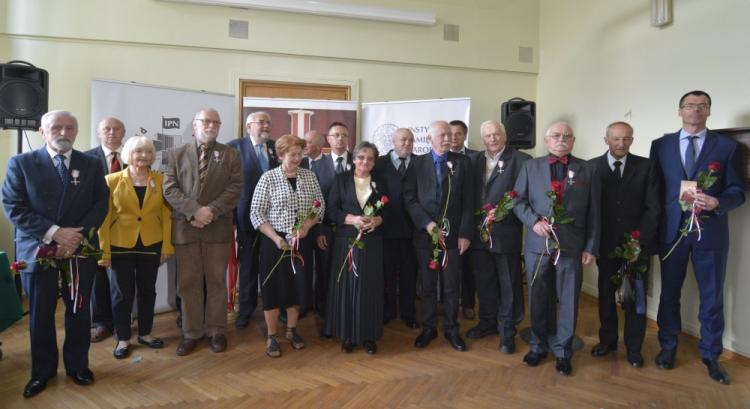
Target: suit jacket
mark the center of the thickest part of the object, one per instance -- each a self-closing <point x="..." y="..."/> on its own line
<point x="220" y="192"/>
<point x="507" y="235"/>
<point x="627" y="204"/>
<point x="399" y="225"/>
<point x="420" y="195"/>
<point x="127" y="220"/>
<point x="251" y="172"/>
<point x="581" y="200"/>
<point x="325" y="170"/>
<point x="98" y="153"/>
<point x="729" y="189"/>
<point x="34" y="199"/>
<point x="342" y="200"/>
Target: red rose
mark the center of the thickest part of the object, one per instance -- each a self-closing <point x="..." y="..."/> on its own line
<point x="513" y="194"/>
<point x="714" y="166"/>
<point x="17" y="266"/>
<point x="635" y="235"/>
<point x="316" y="204"/>
<point x="46" y="251"/>
<point x="384" y="199"/>
<point x="556" y="186"/>
<point x="433" y="265"/>
<point x="487" y="207"/>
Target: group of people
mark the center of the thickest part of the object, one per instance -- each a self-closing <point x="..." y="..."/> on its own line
<point x="352" y="235"/>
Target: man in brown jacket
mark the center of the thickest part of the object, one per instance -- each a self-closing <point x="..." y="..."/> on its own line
<point x="202" y="182"/>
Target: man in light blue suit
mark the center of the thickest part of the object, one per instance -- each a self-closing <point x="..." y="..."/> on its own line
<point x="54" y="196"/>
<point x="697" y="147"/>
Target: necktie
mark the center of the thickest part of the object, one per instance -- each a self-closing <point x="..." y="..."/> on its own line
<point x="261" y="157"/>
<point x="552" y="159"/>
<point x="62" y="171"/>
<point x="339" y="165"/>
<point x="690" y="156"/>
<point x="115" y="166"/>
<point x="402" y="167"/>
<point x="439" y="176"/>
<point x="313" y="165"/>
<point x="203" y="163"/>
<point x="618" y="169"/>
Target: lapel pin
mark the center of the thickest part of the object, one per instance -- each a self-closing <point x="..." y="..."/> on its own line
<point x="75" y="173"/>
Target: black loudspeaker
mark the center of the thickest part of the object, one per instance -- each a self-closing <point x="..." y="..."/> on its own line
<point x="518" y="116"/>
<point x="23" y="95"/>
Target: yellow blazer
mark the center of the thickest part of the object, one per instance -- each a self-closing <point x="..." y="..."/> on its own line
<point x="126" y="220"/>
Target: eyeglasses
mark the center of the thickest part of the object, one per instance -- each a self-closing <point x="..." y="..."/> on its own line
<point x="337" y="135"/>
<point x="261" y="122"/>
<point x="208" y="122"/>
<point x="557" y="136"/>
<point x="700" y="107"/>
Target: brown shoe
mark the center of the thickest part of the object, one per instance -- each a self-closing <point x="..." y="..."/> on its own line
<point x="99" y="333"/>
<point x="186" y="346"/>
<point x="218" y="343"/>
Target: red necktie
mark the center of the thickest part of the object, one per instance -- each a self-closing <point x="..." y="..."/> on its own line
<point x="115" y="167"/>
<point x="555" y="159"/>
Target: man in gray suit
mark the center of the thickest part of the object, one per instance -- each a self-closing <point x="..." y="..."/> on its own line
<point x="203" y="182"/>
<point x="552" y="278"/>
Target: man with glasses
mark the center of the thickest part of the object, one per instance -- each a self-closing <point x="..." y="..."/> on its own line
<point x="258" y="155"/>
<point x="554" y="277"/>
<point x="202" y="182"/>
<point x="630" y="201"/>
<point x="701" y="152"/>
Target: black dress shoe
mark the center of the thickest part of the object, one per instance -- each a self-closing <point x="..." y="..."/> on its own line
<point x="507" y="346"/>
<point x="425" y="337"/>
<point x="82" y="377"/>
<point x="33" y="387"/>
<point x="347" y="347"/>
<point x="479" y="332"/>
<point x="716" y="371"/>
<point x="155" y="343"/>
<point x="665" y="358"/>
<point x="371" y="347"/>
<point x="635" y="359"/>
<point x="456" y="342"/>
<point x="121" y="353"/>
<point x="563" y="366"/>
<point x="602" y="349"/>
<point x="533" y="358"/>
<point x="410" y="323"/>
<point x="242" y="322"/>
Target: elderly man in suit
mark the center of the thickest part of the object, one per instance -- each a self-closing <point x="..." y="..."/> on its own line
<point x="556" y="277"/>
<point x="439" y="197"/>
<point x="497" y="262"/>
<point x="630" y="201"/>
<point x="56" y="196"/>
<point x="699" y="150"/>
<point x="203" y="183"/>
<point x="258" y="155"/>
<point x="397" y="233"/>
<point x="110" y="132"/>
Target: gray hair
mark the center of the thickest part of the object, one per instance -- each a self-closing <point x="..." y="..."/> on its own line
<point x="135" y="142"/>
<point x="492" y="122"/>
<point x="49" y="116"/>
<point x="251" y="117"/>
<point x="366" y="145"/>
<point x="435" y="124"/>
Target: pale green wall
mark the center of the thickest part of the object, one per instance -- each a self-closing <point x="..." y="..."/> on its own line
<point x="602" y="60"/>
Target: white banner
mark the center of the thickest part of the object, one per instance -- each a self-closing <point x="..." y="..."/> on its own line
<point x="381" y="119"/>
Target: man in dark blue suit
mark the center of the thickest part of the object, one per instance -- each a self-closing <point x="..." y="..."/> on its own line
<point x="258" y="155"/>
<point x="697" y="147"/>
<point x="56" y="195"/>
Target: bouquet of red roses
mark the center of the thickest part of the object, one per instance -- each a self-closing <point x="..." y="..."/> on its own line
<point x="556" y="216"/>
<point x="630" y="276"/>
<point x="370" y="211"/>
<point x="495" y="214"/>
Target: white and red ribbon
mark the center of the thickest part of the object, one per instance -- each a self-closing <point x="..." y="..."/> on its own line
<point x="554" y="239"/>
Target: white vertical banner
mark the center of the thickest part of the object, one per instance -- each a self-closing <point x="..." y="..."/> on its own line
<point x="381" y="119"/>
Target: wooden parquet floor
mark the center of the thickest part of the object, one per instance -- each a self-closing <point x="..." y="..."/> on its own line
<point x="399" y="376"/>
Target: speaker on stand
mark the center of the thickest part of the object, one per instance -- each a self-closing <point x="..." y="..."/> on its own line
<point x="519" y="118"/>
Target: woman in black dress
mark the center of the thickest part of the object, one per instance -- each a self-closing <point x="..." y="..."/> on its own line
<point x="356" y="292"/>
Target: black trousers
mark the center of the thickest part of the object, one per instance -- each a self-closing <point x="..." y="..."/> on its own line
<point x="500" y="290"/>
<point x="101" y="300"/>
<point x="400" y="278"/>
<point x="635" y="325"/>
<point x="450" y="277"/>
<point x="248" y="250"/>
<point x="322" y="270"/>
<point x="128" y="273"/>
<point x="42" y="290"/>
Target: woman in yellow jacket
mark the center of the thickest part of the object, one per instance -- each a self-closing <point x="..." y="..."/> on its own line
<point x="135" y="239"/>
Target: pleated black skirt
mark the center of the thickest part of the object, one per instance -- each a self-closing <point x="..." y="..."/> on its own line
<point x="280" y="289"/>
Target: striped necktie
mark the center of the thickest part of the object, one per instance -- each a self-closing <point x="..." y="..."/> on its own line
<point x="203" y="163"/>
<point x="62" y="171"/>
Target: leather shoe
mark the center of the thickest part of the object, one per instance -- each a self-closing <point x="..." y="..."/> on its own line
<point x="508" y="346"/>
<point x="33" y="387"/>
<point x="242" y="322"/>
<point x="100" y="333"/>
<point x="410" y="323"/>
<point x="371" y="347"/>
<point x="635" y="359"/>
<point x="716" y="371"/>
<point x="346" y="346"/>
<point x="469" y="313"/>
<point x="218" y="343"/>
<point x="563" y="366"/>
<point x="479" y="332"/>
<point x="82" y="377"/>
<point x="533" y="358"/>
<point x="665" y="358"/>
<point x="602" y="349"/>
<point x="456" y="342"/>
<point x="155" y="343"/>
<point x="425" y="337"/>
<point x="186" y="346"/>
<point x="121" y="353"/>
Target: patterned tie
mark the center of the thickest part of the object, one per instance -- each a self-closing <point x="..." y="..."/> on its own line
<point x="339" y="165"/>
<point x="62" y="171"/>
<point x="203" y="163"/>
<point x="402" y="167"/>
<point x="439" y="176"/>
<point x="115" y="167"/>
<point x="261" y="157"/>
<point x="690" y="155"/>
<point x="618" y="169"/>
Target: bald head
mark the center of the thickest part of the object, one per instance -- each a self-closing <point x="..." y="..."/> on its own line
<point x="315" y="141"/>
<point x="110" y="132"/>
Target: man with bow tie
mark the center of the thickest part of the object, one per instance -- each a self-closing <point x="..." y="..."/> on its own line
<point x="551" y="189"/>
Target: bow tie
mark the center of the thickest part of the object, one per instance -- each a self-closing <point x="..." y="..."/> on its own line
<point x="552" y="159"/>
